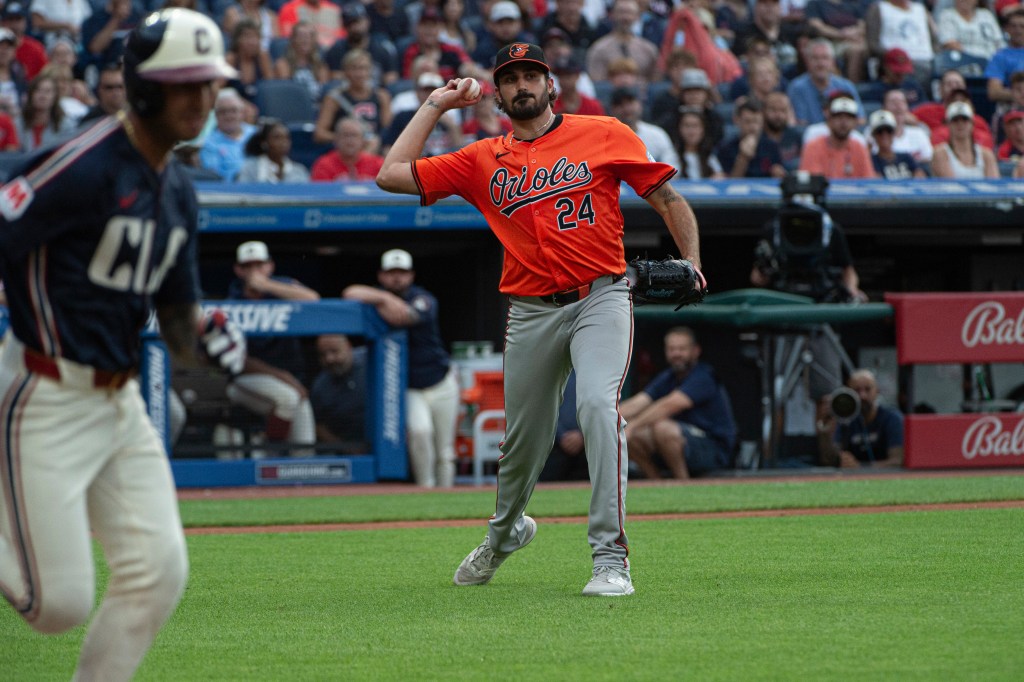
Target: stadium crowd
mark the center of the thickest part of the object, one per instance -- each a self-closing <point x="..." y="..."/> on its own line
<point x="719" y="88"/>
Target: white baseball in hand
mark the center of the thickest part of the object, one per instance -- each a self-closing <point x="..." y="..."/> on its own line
<point x="470" y="88"/>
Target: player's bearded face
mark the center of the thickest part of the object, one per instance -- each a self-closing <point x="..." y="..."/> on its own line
<point x="526" y="105"/>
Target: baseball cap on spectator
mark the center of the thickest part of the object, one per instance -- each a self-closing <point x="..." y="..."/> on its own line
<point x="694" y="79"/>
<point x="430" y="14"/>
<point x="1004" y="7"/>
<point x="7" y="35"/>
<point x="396" y="259"/>
<point x="959" y="110"/>
<point x="518" y="53"/>
<point x="898" y="61"/>
<point x="505" y="9"/>
<point x="14" y="10"/>
<point x="252" y="252"/>
<point x="843" y="104"/>
<point x="554" y="33"/>
<point x="430" y="80"/>
<point x="1015" y="115"/>
<point x="880" y="120"/>
<point x="624" y="94"/>
<point x="353" y="12"/>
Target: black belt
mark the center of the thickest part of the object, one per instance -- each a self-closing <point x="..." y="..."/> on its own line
<point x="562" y="298"/>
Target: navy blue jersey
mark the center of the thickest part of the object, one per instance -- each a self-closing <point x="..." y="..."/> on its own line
<point x="283" y="352"/>
<point x="428" y="359"/>
<point x="709" y="412"/>
<point x="871" y="443"/>
<point x="91" y="237"/>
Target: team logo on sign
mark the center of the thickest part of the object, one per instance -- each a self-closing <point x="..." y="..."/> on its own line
<point x="15" y="197"/>
<point x="988" y="325"/>
<point x="987" y="438"/>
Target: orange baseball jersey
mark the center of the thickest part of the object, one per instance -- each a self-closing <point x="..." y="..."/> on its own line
<point x="553" y="202"/>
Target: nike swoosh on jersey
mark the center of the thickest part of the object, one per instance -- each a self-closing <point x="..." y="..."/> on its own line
<point x="125" y="202"/>
<point x="500" y="154"/>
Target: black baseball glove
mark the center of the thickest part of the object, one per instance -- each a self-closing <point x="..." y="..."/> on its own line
<point x="671" y="280"/>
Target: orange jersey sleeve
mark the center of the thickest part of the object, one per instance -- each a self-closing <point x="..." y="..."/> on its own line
<point x="553" y="202"/>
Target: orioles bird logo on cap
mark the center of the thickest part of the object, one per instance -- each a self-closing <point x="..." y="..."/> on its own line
<point x="518" y="50"/>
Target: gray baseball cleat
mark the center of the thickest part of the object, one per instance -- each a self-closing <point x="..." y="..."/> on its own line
<point x="609" y="581"/>
<point x="478" y="568"/>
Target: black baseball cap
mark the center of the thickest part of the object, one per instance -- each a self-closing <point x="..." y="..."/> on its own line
<point x="353" y="12"/>
<point x="518" y="53"/>
<point x="14" y="10"/>
<point x="624" y="94"/>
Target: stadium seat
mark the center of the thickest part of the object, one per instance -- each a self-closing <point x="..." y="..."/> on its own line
<point x="304" y="149"/>
<point x="1006" y="168"/>
<point x="966" y="64"/>
<point x="285" y="100"/>
<point x="278" y="46"/>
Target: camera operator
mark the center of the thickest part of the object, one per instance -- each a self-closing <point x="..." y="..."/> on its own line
<point x="856" y="431"/>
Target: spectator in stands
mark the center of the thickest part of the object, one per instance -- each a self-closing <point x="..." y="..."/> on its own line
<point x="766" y="24"/>
<point x="453" y="62"/>
<point x="103" y="33"/>
<point x="762" y="78"/>
<point x="570" y="99"/>
<point x="52" y="19"/>
<point x="627" y="107"/>
<point x="666" y="104"/>
<point x="74" y="108"/>
<point x="348" y="161"/>
<point x="447" y="135"/>
<point x="267" y="156"/>
<point x="730" y="17"/>
<point x="503" y="26"/>
<point x="486" y="120"/>
<point x="807" y="92"/>
<point x="13" y="83"/>
<point x="961" y="156"/>
<point x="1013" y="147"/>
<point x="682" y="417"/>
<point x="28" y="51"/>
<point x="110" y="93"/>
<point x="455" y="28"/>
<point x="695" y="91"/>
<point x="622" y="42"/>
<point x="322" y="15"/>
<point x="1006" y="62"/>
<point x="42" y="119"/>
<point x="557" y="48"/>
<point x="749" y="154"/>
<point x="816" y="130"/>
<point x="873" y="438"/>
<point x="905" y="24"/>
<point x="624" y="73"/>
<point x="432" y="396"/>
<point x="888" y="163"/>
<point x="694" y="147"/>
<point x="257" y="12"/>
<point x="223" y="151"/>
<point x="970" y="29"/>
<point x="302" y="61"/>
<point x="909" y="137"/>
<point x="272" y="382"/>
<point x="842" y="22"/>
<point x="685" y="29"/>
<point x="778" y="127"/>
<point x="837" y="155"/>
<point x="246" y="54"/>
<point x="568" y="458"/>
<point x="568" y="17"/>
<point x="387" y="20"/>
<point x="382" y="50"/>
<point x="409" y="99"/>
<point x="357" y="96"/>
<point x="187" y="154"/>
<point x="953" y="88"/>
<point x="896" y="73"/>
<point x="339" y="395"/>
<point x="1017" y="104"/>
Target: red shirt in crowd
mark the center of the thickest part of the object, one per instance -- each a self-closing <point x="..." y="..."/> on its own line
<point x="9" y="141"/>
<point x="331" y="166"/>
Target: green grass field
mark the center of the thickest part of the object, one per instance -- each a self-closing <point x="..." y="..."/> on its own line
<point x="929" y="595"/>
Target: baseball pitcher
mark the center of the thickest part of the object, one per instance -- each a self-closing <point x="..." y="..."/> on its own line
<point x="550" y="192"/>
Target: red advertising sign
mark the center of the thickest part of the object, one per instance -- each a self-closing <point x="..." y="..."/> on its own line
<point x="959" y="327"/>
<point x="940" y="441"/>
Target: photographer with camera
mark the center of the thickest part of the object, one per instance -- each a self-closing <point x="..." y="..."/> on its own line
<point x="854" y="430"/>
